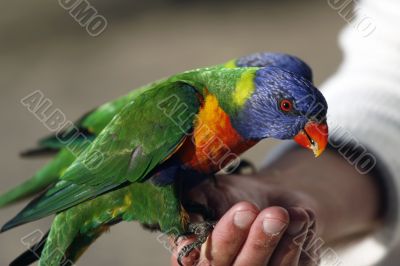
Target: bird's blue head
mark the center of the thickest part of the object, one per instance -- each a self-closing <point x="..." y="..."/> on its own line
<point x="284" y="61"/>
<point x="284" y="105"/>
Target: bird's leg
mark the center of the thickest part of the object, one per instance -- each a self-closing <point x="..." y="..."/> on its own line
<point x="196" y="208"/>
<point x="186" y="234"/>
<point x="201" y="230"/>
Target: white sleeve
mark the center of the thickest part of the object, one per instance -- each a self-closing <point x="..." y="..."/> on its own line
<point x="364" y="97"/>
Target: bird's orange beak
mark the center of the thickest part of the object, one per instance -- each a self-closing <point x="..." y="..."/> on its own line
<point x="314" y="136"/>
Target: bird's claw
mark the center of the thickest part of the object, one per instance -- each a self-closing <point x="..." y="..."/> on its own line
<point x="176" y="239"/>
<point x="201" y="230"/>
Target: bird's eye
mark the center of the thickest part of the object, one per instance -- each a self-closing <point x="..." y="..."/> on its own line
<point x="286" y="105"/>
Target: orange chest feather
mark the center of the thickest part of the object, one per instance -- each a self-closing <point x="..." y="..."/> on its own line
<point x="214" y="141"/>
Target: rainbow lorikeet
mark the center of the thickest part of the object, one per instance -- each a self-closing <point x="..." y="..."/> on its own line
<point x="127" y="159"/>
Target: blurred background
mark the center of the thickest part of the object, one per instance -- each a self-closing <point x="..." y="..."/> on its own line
<point x="44" y="48"/>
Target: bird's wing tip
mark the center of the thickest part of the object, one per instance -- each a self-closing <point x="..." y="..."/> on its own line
<point x="10" y="224"/>
<point x="4" y="228"/>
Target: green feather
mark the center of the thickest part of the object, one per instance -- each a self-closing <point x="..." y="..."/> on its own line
<point x="133" y="135"/>
<point x="126" y="151"/>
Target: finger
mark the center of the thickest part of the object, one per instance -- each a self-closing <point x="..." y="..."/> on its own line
<point x="191" y="258"/>
<point x="229" y="234"/>
<point x="310" y="255"/>
<point x="290" y="247"/>
<point x="263" y="237"/>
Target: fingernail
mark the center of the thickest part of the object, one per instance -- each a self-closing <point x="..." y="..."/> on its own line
<point x="243" y="219"/>
<point x="273" y="226"/>
<point x="295" y="227"/>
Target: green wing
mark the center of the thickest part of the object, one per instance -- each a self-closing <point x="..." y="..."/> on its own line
<point x="86" y="128"/>
<point x="144" y="134"/>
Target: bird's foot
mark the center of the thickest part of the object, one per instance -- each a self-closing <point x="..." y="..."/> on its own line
<point x="201" y="230"/>
<point x="184" y="235"/>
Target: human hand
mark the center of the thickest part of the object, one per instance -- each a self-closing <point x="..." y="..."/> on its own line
<point x="251" y="235"/>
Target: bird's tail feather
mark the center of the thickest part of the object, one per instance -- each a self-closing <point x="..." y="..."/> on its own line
<point x="78" y="246"/>
<point x="32" y="254"/>
<point x="70" y="236"/>
<point x="46" y="176"/>
<point x="64" y="229"/>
